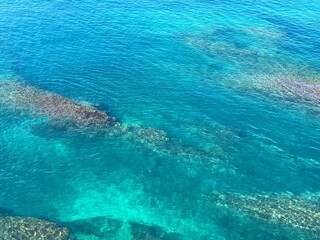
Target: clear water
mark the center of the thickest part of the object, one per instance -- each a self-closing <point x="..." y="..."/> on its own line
<point x="177" y="66"/>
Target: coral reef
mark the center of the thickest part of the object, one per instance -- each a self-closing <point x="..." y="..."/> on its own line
<point x="62" y="113"/>
<point x="229" y="41"/>
<point x="267" y="73"/>
<point x="285" y="85"/>
<point x="38" y="102"/>
<point x="282" y="210"/>
<point x="29" y="228"/>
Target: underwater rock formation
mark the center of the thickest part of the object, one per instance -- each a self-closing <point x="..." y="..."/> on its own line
<point x="6" y="212"/>
<point x="108" y="228"/>
<point x="281" y="210"/>
<point x="144" y="232"/>
<point x="22" y="97"/>
<point x="220" y="48"/>
<point x="29" y="228"/>
<point x="263" y="32"/>
<point x="57" y="112"/>
<point x="286" y="86"/>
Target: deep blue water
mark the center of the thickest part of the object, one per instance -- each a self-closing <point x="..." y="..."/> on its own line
<point x="202" y="72"/>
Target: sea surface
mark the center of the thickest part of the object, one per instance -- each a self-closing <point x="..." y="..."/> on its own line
<point x="212" y="78"/>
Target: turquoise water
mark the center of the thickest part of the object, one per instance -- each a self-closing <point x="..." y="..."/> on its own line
<point x="205" y="73"/>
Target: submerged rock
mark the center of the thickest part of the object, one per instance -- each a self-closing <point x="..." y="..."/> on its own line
<point x="6" y="212"/>
<point x="61" y="113"/>
<point x="29" y="228"/>
<point x="108" y="228"/>
<point x="263" y="32"/>
<point x="289" y="86"/>
<point x="280" y="210"/>
<point x="233" y="41"/>
<point x="22" y="97"/>
<point x="100" y="227"/>
<point x="144" y="232"/>
<point x="220" y="48"/>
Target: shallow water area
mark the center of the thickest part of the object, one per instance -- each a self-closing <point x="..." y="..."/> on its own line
<point x="215" y="118"/>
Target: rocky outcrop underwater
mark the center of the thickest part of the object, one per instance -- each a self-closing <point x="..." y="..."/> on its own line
<point x="228" y="41"/>
<point x="226" y="49"/>
<point x="63" y="113"/>
<point x="108" y="228"/>
<point x="280" y="211"/>
<point x="261" y="67"/>
<point x="29" y="228"/>
<point x="24" y="98"/>
<point x="286" y="85"/>
<point x="60" y="113"/>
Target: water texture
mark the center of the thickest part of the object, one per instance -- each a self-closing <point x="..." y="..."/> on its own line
<point x="160" y="119"/>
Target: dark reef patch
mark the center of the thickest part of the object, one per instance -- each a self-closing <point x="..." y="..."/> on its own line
<point x="21" y="97"/>
<point x="107" y="228"/>
<point x="29" y="228"/>
<point x="286" y="211"/>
